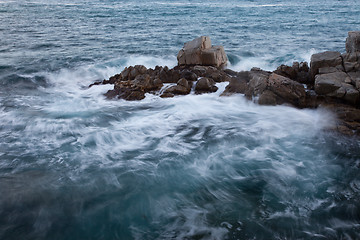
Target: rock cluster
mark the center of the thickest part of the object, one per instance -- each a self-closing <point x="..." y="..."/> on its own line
<point x="332" y="81"/>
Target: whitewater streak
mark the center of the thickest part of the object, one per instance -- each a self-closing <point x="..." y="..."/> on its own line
<point x="195" y="166"/>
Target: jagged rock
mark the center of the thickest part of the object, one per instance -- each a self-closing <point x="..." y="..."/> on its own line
<point x="129" y="73"/>
<point x="205" y="85"/>
<point x="351" y="61"/>
<point x="348" y="118"/>
<point x="325" y="59"/>
<point x="336" y="85"/>
<point x="286" y="71"/>
<point x="238" y="83"/>
<point x="126" y="90"/>
<point x="182" y="87"/>
<point x="275" y="89"/>
<point x="169" y="75"/>
<point x="298" y="72"/>
<point x="188" y="75"/>
<point x="147" y="83"/>
<point x="355" y="79"/>
<point x="353" y="42"/>
<point x="200" y="52"/>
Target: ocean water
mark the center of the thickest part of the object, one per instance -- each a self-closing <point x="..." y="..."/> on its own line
<point x="74" y="165"/>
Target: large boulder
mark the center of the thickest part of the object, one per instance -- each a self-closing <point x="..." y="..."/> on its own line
<point x="200" y="52"/>
<point x="353" y="42"/>
<point x="325" y="60"/>
<point x="337" y="85"/>
<point x="274" y="89"/>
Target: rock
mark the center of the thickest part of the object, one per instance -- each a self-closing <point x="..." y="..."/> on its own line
<point x="336" y="85"/>
<point x="298" y="72"/>
<point x="169" y="76"/>
<point x="348" y="118"/>
<point x="275" y="89"/>
<point x="238" y="84"/>
<point x="188" y="75"/>
<point x="205" y="85"/>
<point x="200" y="52"/>
<point x="324" y="59"/>
<point x="286" y="71"/>
<point x="353" y="42"/>
<point x="351" y="61"/>
<point x="214" y="56"/>
<point x="126" y="90"/>
<point x="129" y="73"/>
<point x="147" y="83"/>
<point x="182" y="87"/>
<point x="325" y="70"/>
<point x="355" y="79"/>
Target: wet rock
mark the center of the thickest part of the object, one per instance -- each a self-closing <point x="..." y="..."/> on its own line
<point x="200" y="52"/>
<point x="355" y="79"/>
<point x="129" y="73"/>
<point x="353" y="42"/>
<point x="336" y="85"/>
<point x="126" y="90"/>
<point x="205" y="85"/>
<point x="275" y="89"/>
<point x="238" y="83"/>
<point x="188" y="75"/>
<point x="298" y="72"/>
<point x="323" y="60"/>
<point x="182" y="87"/>
<point x="348" y="118"/>
<point x="351" y="61"/>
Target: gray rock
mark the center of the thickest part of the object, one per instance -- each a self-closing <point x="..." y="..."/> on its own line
<point x="325" y="59"/>
<point x="351" y="61"/>
<point x="336" y="85"/>
<point x="353" y="42"/>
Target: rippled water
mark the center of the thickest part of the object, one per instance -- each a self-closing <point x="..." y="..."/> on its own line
<point x="74" y="165"/>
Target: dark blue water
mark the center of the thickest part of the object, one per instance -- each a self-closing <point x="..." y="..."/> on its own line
<point x="74" y="165"/>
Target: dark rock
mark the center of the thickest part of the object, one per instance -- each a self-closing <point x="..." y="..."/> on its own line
<point x="355" y="79"/>
<point x="348" y="118"/>
<point x="325" y="59"/>
<point x="188" y="75"/>
<point x="167" y="95"/>
<point x="182" y="87"/>
<point x="298" y="72"/>
<point x="275" y="89"/>
<point x="205" y="85"/>
<point x="238" y="84"/>
<point x="351" y="61"/>
<point x="353" y="42"/>
<point x="286" y="71"/>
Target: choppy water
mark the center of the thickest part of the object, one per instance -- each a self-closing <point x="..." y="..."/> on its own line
<point x="74" y="165"/>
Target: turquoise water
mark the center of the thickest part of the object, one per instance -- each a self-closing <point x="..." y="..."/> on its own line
<point x="74" y="165"/>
